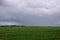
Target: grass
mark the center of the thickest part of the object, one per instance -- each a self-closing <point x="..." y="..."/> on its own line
<point x="29" y="33"/>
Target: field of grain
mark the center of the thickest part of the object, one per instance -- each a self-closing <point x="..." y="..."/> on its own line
<point x="29" y="33"/>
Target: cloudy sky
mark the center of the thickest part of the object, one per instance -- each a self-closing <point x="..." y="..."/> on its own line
<point x="30" y="12"/>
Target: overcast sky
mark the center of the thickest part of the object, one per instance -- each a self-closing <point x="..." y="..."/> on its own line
<point x="30" y="12"/>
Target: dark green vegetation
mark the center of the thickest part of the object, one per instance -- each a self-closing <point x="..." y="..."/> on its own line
<point x="29" y="33"/>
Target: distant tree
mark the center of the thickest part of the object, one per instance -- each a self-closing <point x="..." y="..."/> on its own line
<point x="22" y="26"/>
<point x="2" y="26"/>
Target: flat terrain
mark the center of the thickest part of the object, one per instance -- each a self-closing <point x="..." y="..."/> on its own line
<point x="29" y="33"/>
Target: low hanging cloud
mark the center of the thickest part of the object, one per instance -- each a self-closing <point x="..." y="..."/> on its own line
<point x="30" y="12"/>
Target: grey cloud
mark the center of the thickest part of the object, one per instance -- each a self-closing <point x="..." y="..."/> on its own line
<point x="29" y="12"/>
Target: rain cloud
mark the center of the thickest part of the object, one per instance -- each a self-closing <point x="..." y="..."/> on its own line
<point x="30" y="12"/>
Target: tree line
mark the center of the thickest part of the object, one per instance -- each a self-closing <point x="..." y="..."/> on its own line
<point x="12" y="26"/>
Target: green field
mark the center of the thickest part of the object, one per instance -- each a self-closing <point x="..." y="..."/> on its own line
<point x="29" y="33"/>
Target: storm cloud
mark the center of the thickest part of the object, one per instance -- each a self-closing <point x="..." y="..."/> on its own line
<point x="30" y="12"/>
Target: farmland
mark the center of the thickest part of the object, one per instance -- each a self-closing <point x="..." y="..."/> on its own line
<point x="29" y="33"/>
